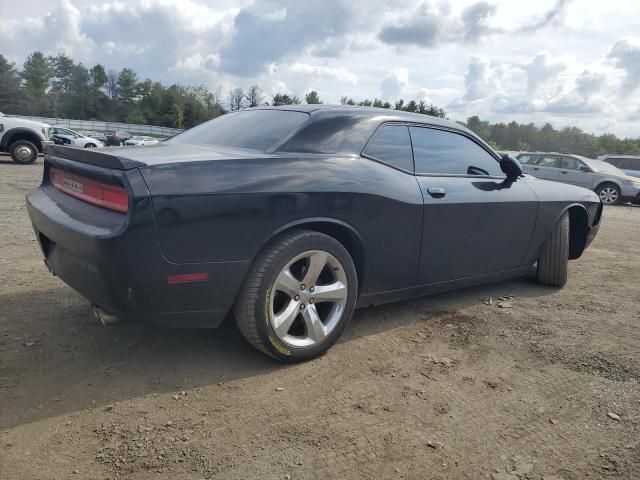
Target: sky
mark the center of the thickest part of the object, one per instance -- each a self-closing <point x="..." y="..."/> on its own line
<point x="567" y="62"/>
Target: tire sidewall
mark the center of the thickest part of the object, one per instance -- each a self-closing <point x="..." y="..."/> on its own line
<point x="263" y="300"/>
<point x="26" y="143"/>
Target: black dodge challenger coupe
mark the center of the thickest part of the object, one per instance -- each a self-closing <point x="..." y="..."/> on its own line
<point x="291" y="217"/>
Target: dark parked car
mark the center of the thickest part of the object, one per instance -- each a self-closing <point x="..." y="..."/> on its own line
<point x="293" y="216"/>
<point x="627" y="163"/>
<point x="116" y="139"/>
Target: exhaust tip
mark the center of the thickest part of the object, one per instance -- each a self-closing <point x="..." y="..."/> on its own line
<point x="105" y="317"/>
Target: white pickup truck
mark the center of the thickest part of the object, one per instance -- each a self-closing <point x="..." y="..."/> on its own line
<point x="22" y="139"/>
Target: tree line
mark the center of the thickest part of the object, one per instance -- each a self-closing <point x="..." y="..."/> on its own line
<point x="57" y="86"/>
<point x="517" y="136"/>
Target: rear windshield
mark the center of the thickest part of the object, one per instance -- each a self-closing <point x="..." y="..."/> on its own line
<point x="255" y="129"/>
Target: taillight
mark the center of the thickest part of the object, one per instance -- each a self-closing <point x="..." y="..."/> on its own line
<point x="113" y="197"/>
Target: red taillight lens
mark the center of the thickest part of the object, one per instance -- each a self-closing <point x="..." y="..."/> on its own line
<point x="113" y="197"/>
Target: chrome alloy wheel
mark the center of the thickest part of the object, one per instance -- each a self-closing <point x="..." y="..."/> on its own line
<point x="308" y="298"/>
<point x="608" y="195"/>
<point x="23" y="153"/>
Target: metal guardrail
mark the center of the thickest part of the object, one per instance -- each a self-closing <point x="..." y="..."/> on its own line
<point x="98" y="126"/>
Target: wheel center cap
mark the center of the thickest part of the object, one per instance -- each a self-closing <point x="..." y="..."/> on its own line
<point x="305" y="295"/>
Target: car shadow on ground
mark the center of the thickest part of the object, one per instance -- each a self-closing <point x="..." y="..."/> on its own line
<point x="57" y="359"/>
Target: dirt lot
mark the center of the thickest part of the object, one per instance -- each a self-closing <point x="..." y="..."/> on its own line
<point x="441" y="387"/>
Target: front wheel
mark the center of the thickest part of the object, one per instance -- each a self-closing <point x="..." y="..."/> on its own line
<point x="90" y="145"/>
<point x="23" y="151"/>
<point x="609" y="193"/>
<point x="298" y="296"/>
<point x="553" y="263"/>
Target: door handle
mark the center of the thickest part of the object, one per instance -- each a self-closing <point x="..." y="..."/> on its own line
<point x="436" y="192"/>
<point x="536" y="168"/>
<point x="564" y="171"/>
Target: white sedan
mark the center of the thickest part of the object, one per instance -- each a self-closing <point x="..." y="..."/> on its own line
<point x="140" y="141"/>
<point x="75" y="138"/>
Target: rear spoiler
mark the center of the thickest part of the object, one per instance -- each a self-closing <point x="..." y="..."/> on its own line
<point x="92" y="157"/>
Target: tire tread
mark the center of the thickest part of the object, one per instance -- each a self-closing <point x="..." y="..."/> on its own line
<point x="554" y="260"/>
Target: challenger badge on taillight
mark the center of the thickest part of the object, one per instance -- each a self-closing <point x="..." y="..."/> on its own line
<point x="106" y="195"/>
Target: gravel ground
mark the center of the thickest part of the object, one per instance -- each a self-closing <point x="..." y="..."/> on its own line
<point x="441" y="387"/>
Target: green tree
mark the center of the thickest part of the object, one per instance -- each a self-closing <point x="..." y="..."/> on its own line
<point x="11" y="96"/>
<point x="127" y="86"/>
<point x="36" y="73"/>
<point x="312" y="98"/>
<point x="285" y="99"/>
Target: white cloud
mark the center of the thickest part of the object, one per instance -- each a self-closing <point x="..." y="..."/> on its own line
<point x="626" y="54"/>
<point x="392" y="85"/>
<point x="542" y="69"/>
<point x="485" y="57"/>
<point x="339" y="74"/>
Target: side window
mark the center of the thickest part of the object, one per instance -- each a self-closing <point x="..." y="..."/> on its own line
<point x="548" y="161"/>
<point x="569" y="163"/>
<point x="526" y="159"/>
<point x="616" y="162"/>
<point x="634" y="164"/>
<point x="391" y="144"/>
<point x="441" y="151"/>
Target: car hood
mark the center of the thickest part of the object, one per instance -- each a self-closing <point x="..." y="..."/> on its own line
<point x="17" y="122"/>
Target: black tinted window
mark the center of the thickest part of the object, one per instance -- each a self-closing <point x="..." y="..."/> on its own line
<point x="332" y="132"/>
<point x="256" y="129"/>
<point x="633" y="164"/>
<point x="391" y="144"/>
<point x="440" y="151"/>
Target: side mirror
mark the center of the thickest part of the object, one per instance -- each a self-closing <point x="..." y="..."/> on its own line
<point x="510" y="167"/>
<point x="585" y="169"/>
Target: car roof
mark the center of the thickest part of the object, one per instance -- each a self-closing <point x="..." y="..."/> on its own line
<point x="388" y="114"/>
<point x="562" y="154"/>
<point x="613" y="155"/>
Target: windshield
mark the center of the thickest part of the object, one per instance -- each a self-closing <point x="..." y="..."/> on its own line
<point x="253" y="128"/>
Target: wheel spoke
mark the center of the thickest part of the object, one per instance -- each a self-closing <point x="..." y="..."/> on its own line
<point x="287" y="283"/>
<point x="335" y="292"/>
<point x="317" y="261"/>
<point x="315" y="328"/>
<point x="285" y="318"/>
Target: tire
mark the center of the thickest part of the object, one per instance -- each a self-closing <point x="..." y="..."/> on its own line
<point x="90" y="145"/>
<point x="609" y="193"/>
<point x="554" y="261"/>
<point x="23" y="152"/>
<point x="274" y="290"/>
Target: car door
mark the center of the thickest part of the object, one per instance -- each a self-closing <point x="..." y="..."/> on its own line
<point x="576" y="172"/>
<point x="546" y="167"/>
<point x="475" y="221"/>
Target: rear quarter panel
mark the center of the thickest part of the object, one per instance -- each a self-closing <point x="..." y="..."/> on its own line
<point x="221" y="211"/>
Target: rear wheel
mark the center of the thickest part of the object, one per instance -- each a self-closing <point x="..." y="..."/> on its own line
<point x="23" y="151"/>
<point x="553" y="264"/>
<point x="609" y="193"/>
<point x="298" y="296"/>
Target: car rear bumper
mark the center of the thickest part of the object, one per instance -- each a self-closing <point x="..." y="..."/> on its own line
<point x="121" y="269"/>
